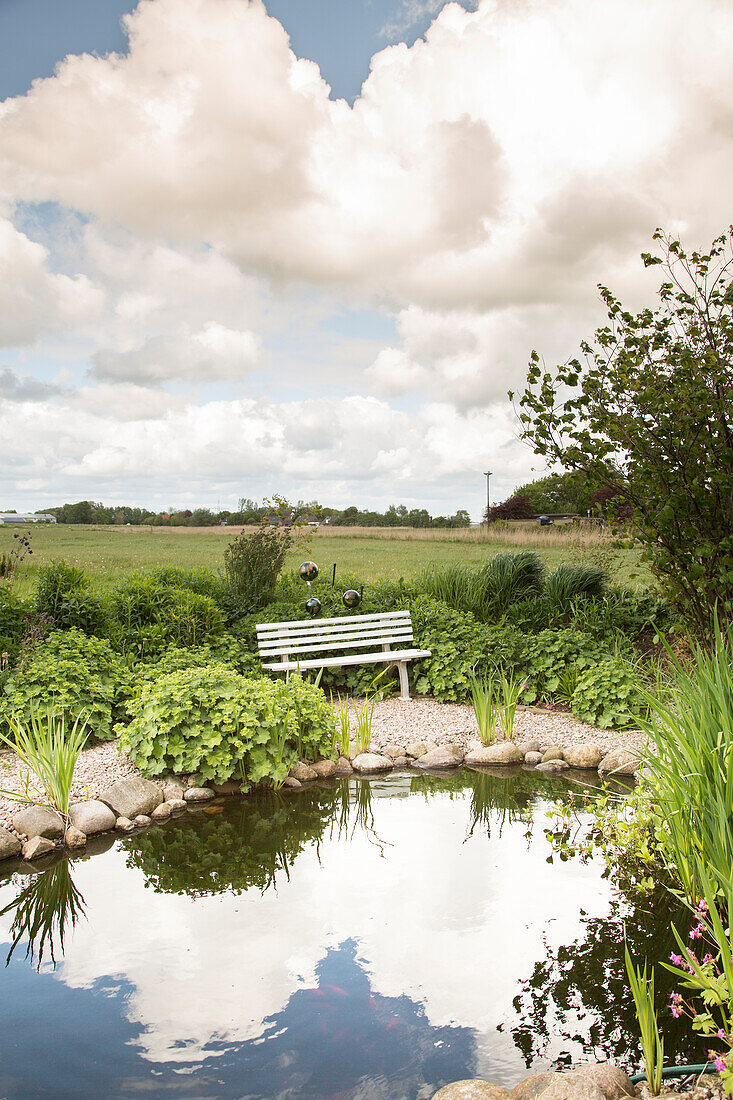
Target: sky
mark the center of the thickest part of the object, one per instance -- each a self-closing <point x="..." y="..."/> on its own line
<point x="306" y="246"/>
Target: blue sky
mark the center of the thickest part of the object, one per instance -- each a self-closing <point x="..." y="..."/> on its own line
<point x="307" y="246"/>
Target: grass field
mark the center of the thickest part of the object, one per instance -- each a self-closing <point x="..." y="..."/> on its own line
<point x="107" y="553"/>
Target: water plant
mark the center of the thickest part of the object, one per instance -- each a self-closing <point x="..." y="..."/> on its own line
<point x="691" y="782"/>
<point x="510" y="689"/>
<point x="43" y="912"/>
<point x="363" y="724"/>
<point x="342" y="731"/>
<point x="484" y="707"/>
<point x="641" y="981"/>
<point x="49" y="752"/>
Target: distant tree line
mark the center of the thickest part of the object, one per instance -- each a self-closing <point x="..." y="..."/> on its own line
<point x="567" y="492"/>
<point x="250" y="512"/>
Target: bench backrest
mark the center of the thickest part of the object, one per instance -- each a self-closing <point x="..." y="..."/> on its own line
<point x="352" y="632"/>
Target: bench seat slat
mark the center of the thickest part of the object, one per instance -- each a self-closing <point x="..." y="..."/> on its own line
<point x="358" y="643"/>
<point x="345" y="620"/>
<point x="368" y="637"/>
<point x="351" y="659"/>
<point x="296" y="637"/>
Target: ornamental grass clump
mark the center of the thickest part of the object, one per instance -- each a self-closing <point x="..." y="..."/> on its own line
<point x="510" y="690"/>
<point x="484" y="707"/>
<point x="652" y="1043"/>
<point x="49" y="752"/>
<point x="691" y="779"/>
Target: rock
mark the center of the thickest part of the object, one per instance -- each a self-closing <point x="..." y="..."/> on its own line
<point x="302" y="772"/>
<point x="416" y="749"/>
<point x="583" y="756"/>
<point x="532" y="1086"/>
<point x="533" y="758"/>
<point x="504" y="754"/>
<point x="529" y="746"/>
<point x="472" y="1090"/>
<point x="74" y="838"/>
<point x="393" y="750"/>
<point x="430" y="745"/>
<point x="172" y="790"/>
<point x="550" y="766"/>
<point x="91" y="817"/>
<point x="176" y="804"/>
<point x="612" y="1081"/>
<point x="447" y="756"/>
<point x="552" y="752"/>
<point x="9" y="844"/>
<point x="292" y="784"/>
<point x="164" y="811"/>
<point x="324" y="769"/>
<point x="343" y="766"/>
<point x="566" y="1086"/>
<point x="124" y="825"/>
<point x="132" y="796"/>
<point x="37" y="846"/>
<point x="198" y="794"/>
<point x="371" y="762"/>
<point x="402" y="761"/>
<point x="616" y="762"/>
<point x="232" y="786"/>
<point x="39" y="821"/>
<point x="142" y="820"/>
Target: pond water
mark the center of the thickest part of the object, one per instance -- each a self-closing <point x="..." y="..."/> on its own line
<point x="362" y="940"/>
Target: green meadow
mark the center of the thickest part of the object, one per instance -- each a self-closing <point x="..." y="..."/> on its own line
<point x="108" y="553"/>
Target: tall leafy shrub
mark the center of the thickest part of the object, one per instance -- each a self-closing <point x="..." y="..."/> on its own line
<point x="252" y="564"/>
<point x="72" y="675"/>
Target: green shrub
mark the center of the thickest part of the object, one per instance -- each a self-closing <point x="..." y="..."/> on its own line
<point x="72" y="675"/>
<point x="549" y="654"/>
<point x="608" y="694"/>
<point x="62" y="593"/>
<point x="216" y="723"/>
<point x="148" y="615"/>
<point x="15" y="612"/>
<point x="201" y="580"/>
<point x="252" y="564"/>
<point x="569" y="582"/>
<point x="489" y="591"/>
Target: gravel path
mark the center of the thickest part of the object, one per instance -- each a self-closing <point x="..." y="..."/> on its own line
<point x="395" y="721"/>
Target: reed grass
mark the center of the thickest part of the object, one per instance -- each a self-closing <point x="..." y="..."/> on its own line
<point x="487" y="591"/>
<point x="510" y="688"/>
<point x="691" y="728"/>
<point x="49" y="752"/>
<point x="484" y="707"/>
<point x="652" y="1043"/>
<point x="363" y="724"/>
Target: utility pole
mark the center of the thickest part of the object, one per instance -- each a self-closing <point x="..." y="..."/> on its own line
<point x="487" y="475"/>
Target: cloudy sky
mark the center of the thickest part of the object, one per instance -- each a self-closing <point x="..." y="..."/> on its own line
<point x="305" y="246"/>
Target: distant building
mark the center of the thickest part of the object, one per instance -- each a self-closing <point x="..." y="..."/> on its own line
<point x="26" y="517"/>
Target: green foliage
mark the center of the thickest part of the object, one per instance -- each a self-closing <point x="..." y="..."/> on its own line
<point x="611" y="417"/>
<point x="652" y="1044"/>
<point x="148" y="615"/>
<point x="489" y="591"/>
<point x="691" y="729"/>
<point x="570" y="582"/>
<point x="72" y="675"/>
<point x="484" y="708"/>
<point x="608" y="694"/>
<point x="201" y="580"/>
<point x="14" y="614"/>
<point x="565" y="492"/>
<point x="252" y="564"/>
<point x="49" y="751"/>
<point x="216" y="723"/>
<point x="62" y="593"/>
<point x="547" y="656"/>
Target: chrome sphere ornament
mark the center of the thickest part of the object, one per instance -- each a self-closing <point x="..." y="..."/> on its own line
<point x="351" y="598"/>
<point x="308" y="571"/>
<point x="313" y="605"/>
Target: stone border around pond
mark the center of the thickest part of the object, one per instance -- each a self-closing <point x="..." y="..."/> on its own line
<point x="132" y="803"/>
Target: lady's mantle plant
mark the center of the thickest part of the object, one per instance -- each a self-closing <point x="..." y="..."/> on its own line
<point x="219" y="724"/>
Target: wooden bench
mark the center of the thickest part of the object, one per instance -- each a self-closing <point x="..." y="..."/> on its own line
<point x="345" y="640"/>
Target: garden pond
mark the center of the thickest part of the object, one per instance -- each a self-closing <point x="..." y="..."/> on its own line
<point x="365" y="938"/>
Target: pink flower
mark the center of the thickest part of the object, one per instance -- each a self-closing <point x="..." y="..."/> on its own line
<point x="720" y="1064"/>
<point x="676" y="1012"/>
<point x="676" y="959"/>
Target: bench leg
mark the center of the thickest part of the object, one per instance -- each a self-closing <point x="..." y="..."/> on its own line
<point x="404" y="682"/>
